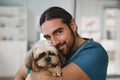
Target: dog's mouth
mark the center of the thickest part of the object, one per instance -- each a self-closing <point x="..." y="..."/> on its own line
<point x="51" y="65"/>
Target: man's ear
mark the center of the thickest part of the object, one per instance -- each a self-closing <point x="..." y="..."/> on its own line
<point x="73" y="25"/>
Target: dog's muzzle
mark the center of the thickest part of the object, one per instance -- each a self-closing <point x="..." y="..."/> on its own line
<point x="48" y="60"/>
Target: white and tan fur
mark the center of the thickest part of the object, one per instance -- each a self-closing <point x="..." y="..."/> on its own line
<point x="44" y="55"/>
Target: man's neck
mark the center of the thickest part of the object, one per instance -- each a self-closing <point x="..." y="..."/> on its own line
<point x="78" y="41"/>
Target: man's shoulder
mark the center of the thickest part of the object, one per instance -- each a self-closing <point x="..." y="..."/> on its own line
<point x="90" y="43"/>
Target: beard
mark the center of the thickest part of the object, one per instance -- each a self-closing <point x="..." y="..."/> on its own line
<point x="66" y="47"/>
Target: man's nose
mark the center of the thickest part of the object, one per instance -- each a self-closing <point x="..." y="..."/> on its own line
<point x="55" y="41"/>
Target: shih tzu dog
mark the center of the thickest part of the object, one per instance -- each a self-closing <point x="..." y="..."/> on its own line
<point x="44" y="55"/>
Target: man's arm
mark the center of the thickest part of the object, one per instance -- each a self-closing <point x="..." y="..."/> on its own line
<point x="69" y="72"/>
<point x="21" y="74"/>
<point x="73" y="72"/>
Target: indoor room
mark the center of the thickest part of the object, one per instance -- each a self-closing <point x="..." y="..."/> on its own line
<point x="20" y="29"/>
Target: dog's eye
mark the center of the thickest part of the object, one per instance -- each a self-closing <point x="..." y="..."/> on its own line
<point x="41" y="55"/>
<point x="51" y="53"/>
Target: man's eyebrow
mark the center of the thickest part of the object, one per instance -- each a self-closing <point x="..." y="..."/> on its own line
<point x="57" y="30"/>
<point x="53" y="32"/>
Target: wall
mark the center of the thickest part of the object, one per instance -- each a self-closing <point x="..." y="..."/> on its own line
<point x="35" y="9"/>
<point x="12" y="2"/>
<point x="92" y="8"/>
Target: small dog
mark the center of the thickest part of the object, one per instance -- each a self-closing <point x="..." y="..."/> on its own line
<point x="44" y="55"/>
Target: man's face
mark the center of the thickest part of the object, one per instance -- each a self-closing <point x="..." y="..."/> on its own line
<point x="59" y="34"/>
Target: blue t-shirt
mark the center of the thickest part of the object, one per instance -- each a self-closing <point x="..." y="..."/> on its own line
<point x="92" y="58"/>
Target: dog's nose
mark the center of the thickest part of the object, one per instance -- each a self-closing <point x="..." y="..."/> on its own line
<point x="48" y="59"/>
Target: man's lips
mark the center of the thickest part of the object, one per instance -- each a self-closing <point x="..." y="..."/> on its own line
<point x="61" y="46"/>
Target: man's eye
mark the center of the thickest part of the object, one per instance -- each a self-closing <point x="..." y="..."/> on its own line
<point x="48" y="38"/>
<point x="58" y="32"/>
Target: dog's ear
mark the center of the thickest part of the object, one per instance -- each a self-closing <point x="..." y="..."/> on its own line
<point x="34" y="52"/>
<point x="30" y="61"/>
<point x="62" y="59"/>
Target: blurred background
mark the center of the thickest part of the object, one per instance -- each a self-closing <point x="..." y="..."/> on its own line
<point x="19" y="29"/>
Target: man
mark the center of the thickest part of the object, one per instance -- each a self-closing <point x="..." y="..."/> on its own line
<point x="86" y="59"/>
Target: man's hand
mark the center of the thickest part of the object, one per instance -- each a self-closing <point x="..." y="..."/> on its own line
<point x="21" y="74"/>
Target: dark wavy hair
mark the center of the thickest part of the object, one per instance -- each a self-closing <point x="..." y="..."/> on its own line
<point x="56" y="12"/>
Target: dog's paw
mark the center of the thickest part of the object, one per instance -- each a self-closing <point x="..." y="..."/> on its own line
<point x="57" y="74"/>
<point x="56" y="71"/>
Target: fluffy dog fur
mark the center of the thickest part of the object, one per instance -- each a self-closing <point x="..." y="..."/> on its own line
<point x="44" y="55"/>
